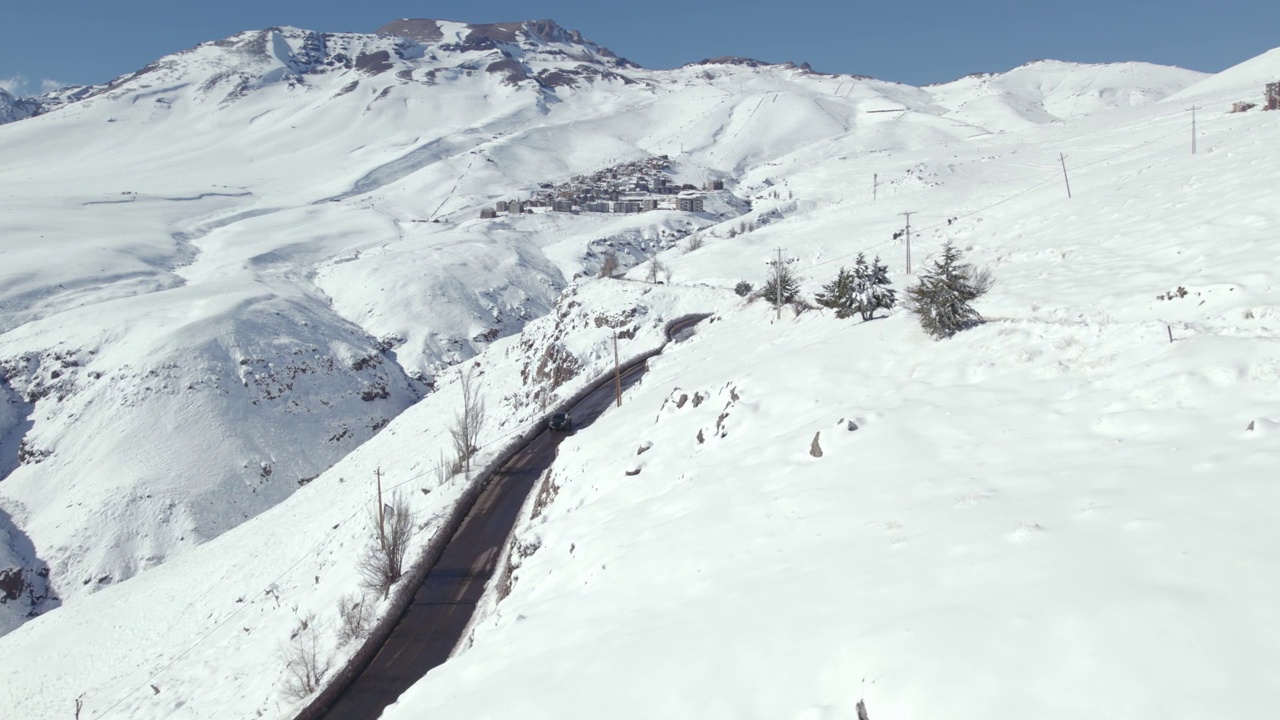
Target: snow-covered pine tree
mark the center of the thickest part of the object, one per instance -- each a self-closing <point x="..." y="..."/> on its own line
<point x="780" y="275"/>
<point x="840" y="294"/>
<point x="877" y="291"/>
<point x="861" y="291"/>
<point x="940" y="300"/>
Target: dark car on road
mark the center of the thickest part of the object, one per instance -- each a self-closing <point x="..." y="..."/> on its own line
<point x="561" y="422"/>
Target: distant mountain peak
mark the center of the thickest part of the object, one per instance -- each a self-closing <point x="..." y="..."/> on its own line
<point x="738" y="61"/>
<point x="534" y="32"/>
<point x="15" y="108"/>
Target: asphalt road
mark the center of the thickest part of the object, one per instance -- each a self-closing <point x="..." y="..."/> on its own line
<point x="435" y="620"/>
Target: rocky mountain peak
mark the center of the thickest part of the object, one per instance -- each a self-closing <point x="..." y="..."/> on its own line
<point x="15" y="108"/>
<point x="527" y="33"/>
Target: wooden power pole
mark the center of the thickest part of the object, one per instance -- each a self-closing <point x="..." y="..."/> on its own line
<point x="382" y="516"/>
<point x="1193" y="129"/>
<point x="777" y="285"/>
<point x="617" y="371"/>
<point x="1063" y="159"/>
<point x="875" y="186"/>
<point x="908" y="234"/>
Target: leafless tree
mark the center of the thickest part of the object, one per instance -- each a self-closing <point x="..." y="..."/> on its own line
<point x="382" y="562"/>
<point x="356" y="614"/>
<point x="981" y="279"/>
<point x="695" y="242"/>
<point x="305" y="665"/>
<point x="655" y="268"/>
<point x="444" y="470"/>
<point x="469" y="421"/>
<point x="609" y="266"/>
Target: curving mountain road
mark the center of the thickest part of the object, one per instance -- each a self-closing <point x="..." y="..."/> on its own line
<point x="442" y="607"/>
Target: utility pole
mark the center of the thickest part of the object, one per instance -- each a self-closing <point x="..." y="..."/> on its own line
<point x="1063" y="159"/>
<point x="382" y="516"/>
<point x="908" y="233"/>
<point x="875" y="185"/>
<point x="617" y="372"/>
<point x="777" y="285"/>
<point x="1193" y="129"/>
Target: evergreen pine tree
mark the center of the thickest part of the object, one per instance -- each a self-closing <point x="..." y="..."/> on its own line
<point x="789" y="282"/>
<point x="861" y="291"/>
<point x="839" y="295"/>
<point x="877" y="293"/>
<point x="941" y="297"/>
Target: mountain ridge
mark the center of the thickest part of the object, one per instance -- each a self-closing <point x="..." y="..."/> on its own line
<point x="310" y="52"/>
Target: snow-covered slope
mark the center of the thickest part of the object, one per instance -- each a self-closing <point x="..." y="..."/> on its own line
<point x="192" y="329"/>
<point x="227" y="271"/>
<point x="202" y="636"/>
<point x="1048" y="91"/>
<point x="1245" y="82"/>
<point x="1060" y="513"/>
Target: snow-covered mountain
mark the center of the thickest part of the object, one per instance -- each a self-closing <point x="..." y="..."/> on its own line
<point x="230" y="270"/>
<point x="1049" y="91"/>
<point x="251" y="255"/>
<point x="14" y="108"/>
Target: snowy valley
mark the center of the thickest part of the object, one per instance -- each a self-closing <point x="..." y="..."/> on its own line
<point x="238" y="282"/>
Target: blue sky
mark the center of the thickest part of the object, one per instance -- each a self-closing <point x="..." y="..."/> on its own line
<point x="912" y="41"/>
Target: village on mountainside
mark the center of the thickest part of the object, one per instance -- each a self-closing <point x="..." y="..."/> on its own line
<point x="639" y="186"/>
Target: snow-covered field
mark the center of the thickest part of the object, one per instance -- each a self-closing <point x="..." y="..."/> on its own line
<point x="216" y="284"/>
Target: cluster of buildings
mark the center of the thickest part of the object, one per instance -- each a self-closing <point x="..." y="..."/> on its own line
<point x="1270" y="99"/>
<point x="636" y="187"/>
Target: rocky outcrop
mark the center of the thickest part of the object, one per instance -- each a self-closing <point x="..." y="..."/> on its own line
<point x="14" y="108"/>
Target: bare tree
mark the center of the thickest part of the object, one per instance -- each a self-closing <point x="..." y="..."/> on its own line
<point x="444" y="471"/>
<point x="981" y="279"/>
<point x="695" y="242"/>
<point x="356" y="614"/>
<point x="609" y="266"/>
<point x="655" y="268"/>
<point x="469" y="421"/>
<point x="382" y="562"/>
<point x="305" y="665"/>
